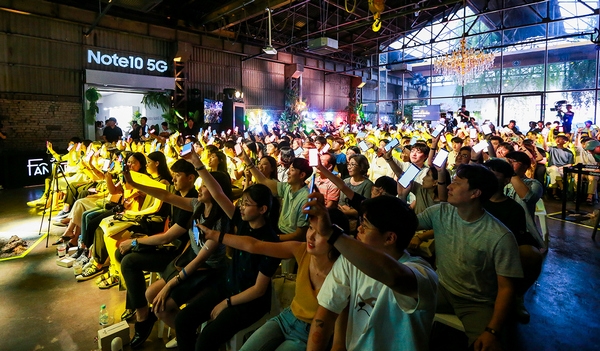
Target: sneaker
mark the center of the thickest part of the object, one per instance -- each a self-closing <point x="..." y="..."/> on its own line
<point x="171" y="344"/>
<point x="39" y="202"/>
<point x="58" y="222"/>
<point x="80" y="251"/>
<point x="62" y="214"/>
<point x="90" y="262"/>
<point x="89" y="273"/>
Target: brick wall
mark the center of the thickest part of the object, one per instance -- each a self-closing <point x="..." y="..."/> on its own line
<point x="29" y="123"/>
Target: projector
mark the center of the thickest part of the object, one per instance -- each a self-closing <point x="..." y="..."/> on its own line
<point x="269" y="50"/>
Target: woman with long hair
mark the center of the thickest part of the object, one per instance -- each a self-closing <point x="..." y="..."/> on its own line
<point x="157" y="168"/>
<point x="239" y="298"/>
<point x="289" y="330"/>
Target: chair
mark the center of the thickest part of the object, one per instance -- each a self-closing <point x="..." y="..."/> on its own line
<point x="540" y="213"/>
<point x="450" y="320"/>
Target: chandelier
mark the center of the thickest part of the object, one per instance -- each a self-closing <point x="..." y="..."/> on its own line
<point x="463" y="65"/>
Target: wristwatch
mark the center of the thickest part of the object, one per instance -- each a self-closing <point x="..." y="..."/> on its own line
<point x="337" y="232"/>
<point x="134" y="243"/>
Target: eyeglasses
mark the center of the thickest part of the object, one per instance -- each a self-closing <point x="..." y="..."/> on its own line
<point x="352" y="165"/>
<point x="463" y="155"/>
<point x="364" y="222"/>
<point x="246" y="204"/>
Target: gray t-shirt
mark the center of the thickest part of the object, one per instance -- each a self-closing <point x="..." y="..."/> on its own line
<point x="560" y="157"/>
<point x="217" y="259"/>
<point x="363" y="188"/>
<point x="470" y="255"/>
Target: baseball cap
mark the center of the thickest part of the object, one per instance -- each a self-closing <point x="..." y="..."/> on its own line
<point x="592" y="144"/>
<point x="112" y="119"/>
<point x="561" y="135"/>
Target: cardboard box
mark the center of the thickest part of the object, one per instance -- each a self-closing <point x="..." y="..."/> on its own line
<point x="65" y="261"/>
<point x="106" y="335"/>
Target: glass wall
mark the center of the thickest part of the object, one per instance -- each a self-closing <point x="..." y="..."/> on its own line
<point x="537" y="62"/>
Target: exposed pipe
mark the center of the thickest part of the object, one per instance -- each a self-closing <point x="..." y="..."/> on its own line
<point x="97" y="20"/>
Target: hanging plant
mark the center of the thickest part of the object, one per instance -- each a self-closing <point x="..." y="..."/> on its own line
<point x="157" y="99"/>
<point x="171" y="118"/>
<point x="92" y="96"/>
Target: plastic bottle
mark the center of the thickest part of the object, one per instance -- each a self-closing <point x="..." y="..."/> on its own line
<point x="103" y="319"/>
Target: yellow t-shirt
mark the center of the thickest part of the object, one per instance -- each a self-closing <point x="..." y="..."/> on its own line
<point x="304" y="305"/>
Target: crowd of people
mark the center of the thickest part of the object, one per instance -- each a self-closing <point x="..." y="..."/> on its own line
<point x="215" y="213"/>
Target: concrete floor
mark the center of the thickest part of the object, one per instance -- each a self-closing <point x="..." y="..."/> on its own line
<point x="44" y="308"/>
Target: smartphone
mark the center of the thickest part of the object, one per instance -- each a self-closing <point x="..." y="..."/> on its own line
<point x="196" y="232"/>
<point x="123" y="166"/>
<point x="440" y="157"/>
<point x="298" y="151"/>
<point x="245" y="135"/>
<point x="392" y="144"/>
<point x="313" y="157"/>
<point x="70" y="147"/>
<point x="210" y="141"/>
<point x="473" y="133"/>
<point x="214" y="132"/>
<point x="158" y="145"/>
<point x="409" y="175"/>
<point x="186" y="149"/>
<point x="363" y="146"/>
<point x="200" y="131"/>
<point x="311" y="189"/>
<point x="152" y="131"/>
<point x="239" y="140"/>
<point x="78" y="147"/>
<point x="481" y="146"/>
<point x="325" y="148"/>
<point x="580" y="125"/>
<point x="361" y="134"/>
<point x="238" y="149"/>
<point x="561" y="129"/>
<point x="486" y="129"/>
<point x="438" y="129"/>
<point x="414" y="139"/>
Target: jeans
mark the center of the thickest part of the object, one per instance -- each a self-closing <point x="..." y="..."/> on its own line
<point x="282" y="333"/>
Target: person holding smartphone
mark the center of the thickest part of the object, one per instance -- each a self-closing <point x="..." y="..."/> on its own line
<point x="292" y="223"/>
<point x="240" y="297"/>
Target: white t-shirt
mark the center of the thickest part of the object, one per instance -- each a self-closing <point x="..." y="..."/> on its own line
<point x="379" y="318"/>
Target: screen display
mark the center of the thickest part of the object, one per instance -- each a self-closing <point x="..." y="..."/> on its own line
<point x="409" y="175"/>
<point x="213" y="111"/>
<point x="441" y="156"/>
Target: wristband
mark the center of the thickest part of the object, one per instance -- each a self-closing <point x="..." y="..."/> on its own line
<point x="441" y="183"/>
<point x="221" y="237"/>
<point x="337" y="232"/>
<point x="491" y="331"/>
<point x="184" y="273"/>
<point x="203" y="167"/>
<point x="418" y="237"/>
<point x="229" y="302"/>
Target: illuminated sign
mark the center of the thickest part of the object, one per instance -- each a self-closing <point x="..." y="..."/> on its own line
<point x="131" y="62"/>
<point x="426" y="113"/>
<point x="37" y="167"/>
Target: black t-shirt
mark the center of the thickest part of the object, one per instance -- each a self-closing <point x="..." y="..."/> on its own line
<point x="112" y="134"/>
<point x="180" y="216"/>
<point x="245" y="266"/>
<point x="512" y="215"/>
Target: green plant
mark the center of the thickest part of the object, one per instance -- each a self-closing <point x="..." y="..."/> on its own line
<point x="157" y="100"/>
<point x="291" y="117"/>
<point x="170" y="116"/>
<point x="137" y="115"/>
<point x="92" y="96"/>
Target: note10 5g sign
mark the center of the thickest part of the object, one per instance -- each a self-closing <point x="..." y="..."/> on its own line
<point x="130" y="63"/>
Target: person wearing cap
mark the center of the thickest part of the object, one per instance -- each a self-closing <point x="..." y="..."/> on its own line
<point x="112" y="133"/>
<point x="590" y="129"/>
<point x="558" y="158"/>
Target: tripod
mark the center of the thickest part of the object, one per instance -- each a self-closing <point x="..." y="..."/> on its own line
<point x="52" y="190"/>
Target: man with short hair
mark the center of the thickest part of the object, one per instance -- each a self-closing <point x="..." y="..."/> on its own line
<point x="390" y="296"/>
<point x="133" y="263"/>
<point x="165" y="131"/>
<point x="294" y="193"/>
<point x="112" y="133"/>
<point x="477" y="257"/>
<point x="567" y="119"/>
<point x="144" y="129"/>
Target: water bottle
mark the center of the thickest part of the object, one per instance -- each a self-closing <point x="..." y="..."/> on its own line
<point x="103" y="319"/>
